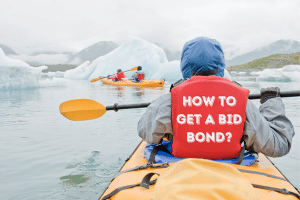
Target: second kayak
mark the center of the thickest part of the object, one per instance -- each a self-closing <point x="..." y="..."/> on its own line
<point x="143" y="83"/>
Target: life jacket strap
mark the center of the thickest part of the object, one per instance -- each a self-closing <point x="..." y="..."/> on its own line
<point x="261" y="173"/>
<point x="242" y="153"/>
<point x="205" y="73"/>
<point x="176" y="84"/>
<point x="280" y="190"/>
<point x="155" y="150"/>
<point x="140" y="167"/>
<point x="237" y="83"/>
<point x="150" y="163"/>
<point x="146" y="182"/>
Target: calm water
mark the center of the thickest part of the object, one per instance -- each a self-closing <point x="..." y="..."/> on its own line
<point x="44" y="155"/>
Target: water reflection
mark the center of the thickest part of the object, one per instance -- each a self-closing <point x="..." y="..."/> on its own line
<point x="120" y="90"/>
<point x="15" y="96"/>
<point x="89" y="177"/>
<point x="73" y="180"/>
<point x="138" y="92"/>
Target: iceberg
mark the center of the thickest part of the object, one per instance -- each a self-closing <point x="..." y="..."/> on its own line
<point x="83" y="71"/>
<point x="286" y="74"/>
<point x="131" y="53"/>
<point x="16" y="74"/>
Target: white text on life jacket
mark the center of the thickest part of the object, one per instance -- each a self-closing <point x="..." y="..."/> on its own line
<point x="208" y="101"/>
<point x="191" y="119"/>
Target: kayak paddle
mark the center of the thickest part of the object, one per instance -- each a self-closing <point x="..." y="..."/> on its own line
<point x="100" y="77"/>
<point x="87" y="109"/>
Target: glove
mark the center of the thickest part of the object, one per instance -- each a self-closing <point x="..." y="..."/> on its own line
<point x="269" y="93"/>
<point x="107" y="77"/>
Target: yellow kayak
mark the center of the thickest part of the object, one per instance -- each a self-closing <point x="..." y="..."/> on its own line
<point x="143" y="83"/>
<point x="262" y="175"/>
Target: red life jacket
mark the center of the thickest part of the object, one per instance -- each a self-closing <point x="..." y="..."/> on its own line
<point x="141" y="76"/>
<point x="208" y="115"/>
<point x="121" y="75"/>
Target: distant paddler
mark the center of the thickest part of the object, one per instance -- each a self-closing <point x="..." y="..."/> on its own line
<point x="118" y="76"/>
<point x="139" y="75"/>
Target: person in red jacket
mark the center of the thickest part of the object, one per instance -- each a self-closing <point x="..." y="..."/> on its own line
<point x="118" y="76"/>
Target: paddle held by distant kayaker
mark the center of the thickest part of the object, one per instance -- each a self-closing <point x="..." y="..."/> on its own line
<point x="208" y="116"/>
<point x="118" y="76"/>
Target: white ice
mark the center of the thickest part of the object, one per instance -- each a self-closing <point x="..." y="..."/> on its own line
<point x="286" y="74"/>
<point x="83" y="71"/>
<point x="133" y="52"/>
<point x="16" y="74"/>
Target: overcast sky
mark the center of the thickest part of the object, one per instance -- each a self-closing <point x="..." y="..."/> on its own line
<point x="29" y="26"/>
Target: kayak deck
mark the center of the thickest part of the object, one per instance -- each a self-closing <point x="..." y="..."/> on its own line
<point x="143" y="83"/>
<point x="263" y="165"/>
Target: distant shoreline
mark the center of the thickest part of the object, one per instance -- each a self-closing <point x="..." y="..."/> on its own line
<point x="58" y="67"/>
<point x="272" y="62"/>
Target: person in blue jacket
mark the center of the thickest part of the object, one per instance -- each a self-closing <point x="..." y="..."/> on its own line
<point x="267" y="130"/>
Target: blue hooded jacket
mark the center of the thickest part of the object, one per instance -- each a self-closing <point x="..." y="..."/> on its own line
<point x="202" y="54"/>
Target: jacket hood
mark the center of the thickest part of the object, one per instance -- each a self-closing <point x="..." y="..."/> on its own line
<point x="202" y="54"/>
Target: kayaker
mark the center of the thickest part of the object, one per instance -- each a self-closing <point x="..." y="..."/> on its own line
<point x="138" y="75"/>
<point x="266" y="130"/>
<point x="118" y="76"/>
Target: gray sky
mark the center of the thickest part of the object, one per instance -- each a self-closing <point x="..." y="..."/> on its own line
<point x="29" y="26"/>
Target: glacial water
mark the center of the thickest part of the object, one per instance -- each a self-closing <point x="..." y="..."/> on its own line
<point x="46" y="156"/>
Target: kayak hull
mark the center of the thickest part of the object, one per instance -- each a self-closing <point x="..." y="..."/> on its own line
<point x="263" y="165"/>
<point x="143" y="83"/>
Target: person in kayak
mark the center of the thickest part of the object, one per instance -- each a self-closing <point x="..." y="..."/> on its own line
<point x="118" y="76"/>
<point x="138" y="75"/>
<point x="208" y="116"/>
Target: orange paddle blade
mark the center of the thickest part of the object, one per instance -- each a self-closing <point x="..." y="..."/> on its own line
<point x="133" y="69"/>
<point x="95" y="79"/>
<point x="82" y="109"/>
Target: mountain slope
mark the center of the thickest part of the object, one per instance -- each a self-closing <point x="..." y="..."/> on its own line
<point x="94" y="51"/>
<point x="273" y="61"/>
<point x="7" y="50"/>
<point x="278" y="47"/>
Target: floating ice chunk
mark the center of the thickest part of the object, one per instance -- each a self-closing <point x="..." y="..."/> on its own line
<point x="133" y="52"/>
<point x="83" y="71"/>
<point x="16" y="74"/>
<point x="286" y="74"/>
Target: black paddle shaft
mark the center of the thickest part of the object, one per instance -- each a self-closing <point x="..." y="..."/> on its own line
<point x="117" y="107"/>
<point x="282" y="94"/>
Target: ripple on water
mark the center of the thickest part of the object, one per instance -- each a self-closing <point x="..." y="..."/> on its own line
<point x="90" y="177"/>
